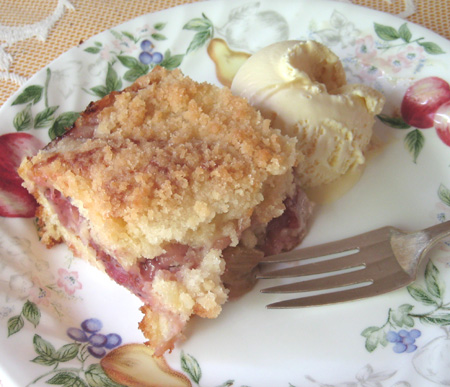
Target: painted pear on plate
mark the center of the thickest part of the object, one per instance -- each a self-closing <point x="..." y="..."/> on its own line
<point x="226" y="60"/>
<point x="134" y="365"/>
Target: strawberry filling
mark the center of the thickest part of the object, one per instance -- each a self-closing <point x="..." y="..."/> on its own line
<point x="282" y="233"/>
<point x="68" y="214"/>
<point x="288" y="230"/>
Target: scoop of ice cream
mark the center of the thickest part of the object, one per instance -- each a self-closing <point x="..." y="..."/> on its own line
<point x="301" y="86"/>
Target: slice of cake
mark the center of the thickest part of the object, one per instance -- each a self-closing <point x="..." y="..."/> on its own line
<point x="158" y="184"/>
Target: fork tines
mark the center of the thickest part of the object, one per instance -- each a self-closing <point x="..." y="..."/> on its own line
<point x="352" y="268"/>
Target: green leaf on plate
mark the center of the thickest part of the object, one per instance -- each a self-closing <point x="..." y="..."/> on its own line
<point x="45" y="117"/>
<point x="190" y="365"/>
<point x="198" y="24"/>
<point x="434" y="285"/>
<point x="200" y="38"/>
<point x="93" y="50"/>
<point x="67" y="379"/>
<point x="129" y="36"/>
<point x="405" y="33"/>
<point x="444" y="194"/>
<point x="137" y="68"/>
<point x="228" y="383"/>
<point x="393" y="122"/>
<point x="128" y="61"/>
<point x="421" y="295"/>
<point x="159" y="26"/>
<point x="386" y="33"/>
<point x="67" y="352"/>
<point x="63" y="122"/>
<point x="99" y="91"/>
<point x="116" y="34"/>
<point x="374" y="336"/>
<point x="158" y="37"/>
<point x="432" y="48"/>
<point x="441" y="319"/>
<point x="136" y="72"/>
<point x="401" y="317"/>
<point x="43" y="347"/>
<point x="44" y="360"/>
<point x="96" y="377"/>
<point x="31" y="94"/>
<point x="15" y="324"/>
<point x="32" y="313"/>
<point x="113" y="82"/>
<point x="23" y="120"/>
<point x="205" y="31"/>
<point x="170" y="61"/>
<point x="414" y="142"/>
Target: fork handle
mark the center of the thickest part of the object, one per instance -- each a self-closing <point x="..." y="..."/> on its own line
<point x="434" y="234"/>
<point x="438" y="231"/>
<point x="411" y="248"/>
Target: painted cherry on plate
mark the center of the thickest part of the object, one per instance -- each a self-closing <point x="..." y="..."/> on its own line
<point x="15" y="201"/>
<point x="422" y="99"/>
<point x="442" y="123"/>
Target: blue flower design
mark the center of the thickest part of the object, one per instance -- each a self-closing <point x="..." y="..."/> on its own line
<point x="147" y="55"/>
<point x="403" y="340"/>
<point x="97" y="343"/>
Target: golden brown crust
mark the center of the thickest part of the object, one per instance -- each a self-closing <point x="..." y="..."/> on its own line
<point x="195" y="291"/>
<point x="152" y="325"/>
<point x="171" y="160"/>
<point x="44" y="235"/>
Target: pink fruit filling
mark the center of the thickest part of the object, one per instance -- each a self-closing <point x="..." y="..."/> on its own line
<point x="287" y="231"/>
<point x="282" y="233"/>
<point x="68" y="214"/>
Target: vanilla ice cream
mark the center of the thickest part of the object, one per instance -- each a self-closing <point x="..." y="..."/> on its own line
<point x="301" y="86"/>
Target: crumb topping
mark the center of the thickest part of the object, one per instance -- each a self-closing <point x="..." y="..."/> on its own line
<point x="171" y="160"/>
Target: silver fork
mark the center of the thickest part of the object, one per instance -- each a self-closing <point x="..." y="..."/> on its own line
<point x="373" y="263"/>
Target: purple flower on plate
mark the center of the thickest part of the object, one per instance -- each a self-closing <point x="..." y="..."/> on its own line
<point x="403" y="340"/>
<point x="97" y="343"/>
<point x="148" y="56"/>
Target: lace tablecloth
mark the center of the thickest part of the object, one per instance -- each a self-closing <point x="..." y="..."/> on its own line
<point x="34" y="32"/>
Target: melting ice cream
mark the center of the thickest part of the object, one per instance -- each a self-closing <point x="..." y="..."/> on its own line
<point x="301" y="86"/>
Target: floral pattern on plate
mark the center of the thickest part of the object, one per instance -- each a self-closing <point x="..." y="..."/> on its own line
<point x="88" y="341"/>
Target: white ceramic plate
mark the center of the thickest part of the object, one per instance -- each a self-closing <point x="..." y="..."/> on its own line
<point x="45" y="292"/>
